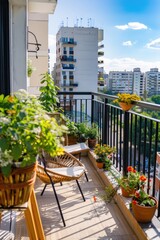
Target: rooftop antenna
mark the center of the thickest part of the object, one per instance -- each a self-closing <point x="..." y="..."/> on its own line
<point x="81" y="22"/>
<point x="67" y="21"/>
<point x="62" y="23"/>
<point x="77" y="22"/>
<point x="88" y="23"/>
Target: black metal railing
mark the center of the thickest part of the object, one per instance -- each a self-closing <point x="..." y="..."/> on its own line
<point x="134" y="133"/>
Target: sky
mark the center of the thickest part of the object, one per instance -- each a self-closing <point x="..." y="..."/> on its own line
<point x="131" y="30"/>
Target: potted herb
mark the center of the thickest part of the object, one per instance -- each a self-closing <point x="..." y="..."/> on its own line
<point x="126" y="100"/>
<point x="82" y="131"/>
<point x="72" y="132"/>
<point x="92" y="134"/>
<point x="103" y="154"/>
<point x="25" y="130"/>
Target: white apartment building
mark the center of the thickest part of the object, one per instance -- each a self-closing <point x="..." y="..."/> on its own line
<point x="77" y="54"/>
<point x="152" y="79"/>
<point x="138" y="82"/>
<point x="120" y="81"/>
<point x="126" y="81"/>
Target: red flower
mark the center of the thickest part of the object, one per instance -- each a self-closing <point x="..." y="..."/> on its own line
<point x="137" y="195"/>
<point x="143" y="178"/>
<point x="134" y="202"/>
<point x="130" y="169"/>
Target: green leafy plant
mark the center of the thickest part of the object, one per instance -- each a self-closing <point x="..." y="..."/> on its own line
<point x="142" y="198"/>
<point x="92" y="131"/>
<point x="25" y="130"/>
<point x="72" y="128"/>
<point x="82" y="131"/>
<point x="48" y="96"/>
<point x="127" y="98"/>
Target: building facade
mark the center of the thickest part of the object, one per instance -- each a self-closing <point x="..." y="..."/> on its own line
<point x="152" y="79"/>
<point x="126" y="81"/>
<point x="77" y="53"/>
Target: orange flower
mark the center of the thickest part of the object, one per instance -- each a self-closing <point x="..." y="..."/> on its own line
<point x="130" y="169"/>
<point x="143" y="178"/>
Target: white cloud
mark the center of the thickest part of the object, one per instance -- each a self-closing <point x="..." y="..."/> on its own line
<point x="127" y="43"/>
<point x="132" y="25"/>
<point x="155" y="44"/>
<point x="121" y="64"/>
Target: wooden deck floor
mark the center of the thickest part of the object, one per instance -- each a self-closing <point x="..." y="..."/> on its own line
<point x="84" y="220"/>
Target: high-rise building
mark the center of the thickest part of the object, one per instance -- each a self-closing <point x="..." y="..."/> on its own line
<point x="152" y="79"/>
<point x="120" y="81"/>
<point x="126" y="82"/>
<point x="77" y="53"/>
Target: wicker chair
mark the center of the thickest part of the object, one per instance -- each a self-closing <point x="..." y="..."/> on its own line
<point x="60" y="169"/>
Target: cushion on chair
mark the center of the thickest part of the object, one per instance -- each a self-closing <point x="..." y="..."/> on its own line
<point x="69" y="171"/>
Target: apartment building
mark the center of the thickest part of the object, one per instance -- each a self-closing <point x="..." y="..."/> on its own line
<point x="77" y="52"/>
<point x="126" y="81"/>
<point x="152" y="79"/>
<point x="120" y="81"/>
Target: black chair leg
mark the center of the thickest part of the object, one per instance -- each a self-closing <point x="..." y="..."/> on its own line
<point x="80" y="190"/>
<point x="43" y="189"/>
<point x="86" y="176"/>
<point x="58" y="204"/>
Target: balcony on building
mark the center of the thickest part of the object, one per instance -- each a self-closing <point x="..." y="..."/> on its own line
<point x="101" y="46"/>
<point x="68" y="66"/>
<point x="70" y="84"/>
<point x="100" y="53"/>
<point x="65" y="58"/>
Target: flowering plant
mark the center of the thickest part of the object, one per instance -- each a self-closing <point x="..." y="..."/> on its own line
<point x="103" y="152"/>
<point x="127" y="98"/>
<point x="142" y="198"/>
<point x="25" y="129"/>
<point x="133" y="180"/>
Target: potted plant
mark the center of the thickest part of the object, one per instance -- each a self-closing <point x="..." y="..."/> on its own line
<point x="92" y="134"/>
<point x="130" y="183"/>
<point x="103" y="153"/>
<point x="72" y="132"/>
<point x="143" y="206"/>
<point x="25" y="130"/>
<point x="126" y="100"/>
<point x="82" y="131"/>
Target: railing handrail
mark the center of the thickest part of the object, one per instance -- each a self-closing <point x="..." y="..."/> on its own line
<point x="148" y="105"/>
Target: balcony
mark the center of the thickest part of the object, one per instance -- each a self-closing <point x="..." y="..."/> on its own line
<point x="135" y="136"/>
<point x="100" y="54"/>
<point x="67" y="59"/>
<point x="71" y="84"/>
<point x="68" y="42"/>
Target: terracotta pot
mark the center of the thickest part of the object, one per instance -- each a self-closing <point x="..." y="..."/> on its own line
<point x="127" y="192"/>
<point x="100" y="165"/>
<point x="91" y="143"/>
<point x="144" y="214"/>
<point x="124" y="106"/>
<point x="72" y="140"/>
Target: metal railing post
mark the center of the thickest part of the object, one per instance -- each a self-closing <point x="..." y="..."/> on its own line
<point x="105" y="119"/>
<point x="125" y="142"/>
<point x="92" y="109"/>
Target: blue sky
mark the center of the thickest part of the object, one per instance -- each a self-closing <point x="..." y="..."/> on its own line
<point x="131" y="29"/>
